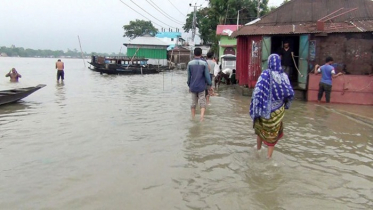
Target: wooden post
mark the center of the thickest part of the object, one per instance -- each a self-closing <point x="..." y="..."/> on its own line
<point x="162" y="74"/>
<point x="172" y="53"/>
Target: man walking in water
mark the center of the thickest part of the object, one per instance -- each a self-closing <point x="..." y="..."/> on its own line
<point x="60" y="73"/>
<point x="198" y="78"/>
<point x="327" y="73"/>
<point x="13" y="74"/>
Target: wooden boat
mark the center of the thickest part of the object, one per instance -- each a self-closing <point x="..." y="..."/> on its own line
<point x="14" y="95"/>
<point x="123" y="65"/>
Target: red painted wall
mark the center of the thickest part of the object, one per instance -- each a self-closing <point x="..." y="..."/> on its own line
<point x="248" y="68"/>
<point x="346" y="89"/>
<point x="241" y="60"/>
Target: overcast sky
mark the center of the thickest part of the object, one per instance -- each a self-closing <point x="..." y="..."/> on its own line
<point x="56" y="24"/>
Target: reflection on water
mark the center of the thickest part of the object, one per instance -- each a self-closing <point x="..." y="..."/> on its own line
<point x="127" y="142"/>
<point x="20" y="106"/>
<point x="60" y="94"/>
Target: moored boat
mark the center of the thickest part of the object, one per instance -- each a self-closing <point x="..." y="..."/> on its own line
<point x="123" y="65"/>
<point x="14" y="95"/>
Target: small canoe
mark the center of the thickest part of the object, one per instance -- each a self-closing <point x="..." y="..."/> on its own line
<point x="14" y="95"/>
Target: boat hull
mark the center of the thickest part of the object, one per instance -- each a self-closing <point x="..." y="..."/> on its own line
<point x="126" y="71"/>
<point x="14" y="95"/>
<point x="125" y="65"/>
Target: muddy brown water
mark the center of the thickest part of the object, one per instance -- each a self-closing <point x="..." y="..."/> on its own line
<point x="127" y="142"/>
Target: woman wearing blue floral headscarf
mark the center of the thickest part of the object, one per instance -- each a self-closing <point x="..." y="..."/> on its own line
<point x="272" y="95"/>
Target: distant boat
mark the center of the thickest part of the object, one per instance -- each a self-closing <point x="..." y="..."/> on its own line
<point x="14" y="95"/>
<point x="124" y="65"/>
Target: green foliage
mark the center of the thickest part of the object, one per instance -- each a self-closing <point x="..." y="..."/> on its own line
<point x="139" y="28"/>
<point x="285" y="1"/>
<point x="271" y="8"/>
<point x="21" y="52"/>
<point x="223" y="12"/>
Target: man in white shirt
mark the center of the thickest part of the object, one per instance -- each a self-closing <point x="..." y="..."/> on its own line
<point x="228" y="72"/>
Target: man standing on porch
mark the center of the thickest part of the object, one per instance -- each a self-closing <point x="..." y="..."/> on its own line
<point x="286" y="54"/>
<point x="198" y="78"/>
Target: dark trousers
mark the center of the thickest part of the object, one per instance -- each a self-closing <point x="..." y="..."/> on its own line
<point x="60" y="74"/>
<point x="324" y="88"/>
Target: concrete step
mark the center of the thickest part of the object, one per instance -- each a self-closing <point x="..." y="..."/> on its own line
<point x="299" y="94"/>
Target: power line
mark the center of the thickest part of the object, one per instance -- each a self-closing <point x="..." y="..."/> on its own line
<point x="163" y="13"/>
<point x="141" y="14"/>
<point x="151" y="15"/>
<point x="176" y="8"/>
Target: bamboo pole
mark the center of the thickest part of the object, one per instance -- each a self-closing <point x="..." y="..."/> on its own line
<point x="81" y="51"/>
<point x="120" y="50"/>
<point x="133" y="57"/>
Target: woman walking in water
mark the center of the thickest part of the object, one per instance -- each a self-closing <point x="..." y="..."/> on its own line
<point x="272" y="95"/>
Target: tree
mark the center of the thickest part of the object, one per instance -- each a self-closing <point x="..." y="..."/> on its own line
<point x="223" y="12"/>
<point x="139" y="28"/>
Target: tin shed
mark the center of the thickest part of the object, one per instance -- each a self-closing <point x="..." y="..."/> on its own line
<point x="315" y="29"/>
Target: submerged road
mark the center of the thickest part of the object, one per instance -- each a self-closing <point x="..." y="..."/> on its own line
<point x="127" y="142"/>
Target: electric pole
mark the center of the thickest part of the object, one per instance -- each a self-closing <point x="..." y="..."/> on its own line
<point x="194" y="23"/>
<point x="193" y="28"/>
<point x="258" y="15"/>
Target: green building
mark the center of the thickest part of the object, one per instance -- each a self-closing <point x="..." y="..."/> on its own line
<point x="149" y="47"/>
<point x="227" y="44"/>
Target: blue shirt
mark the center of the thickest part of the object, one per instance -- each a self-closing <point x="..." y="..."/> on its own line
<point x="198" y="75"/>
<point x="326" y="74"/>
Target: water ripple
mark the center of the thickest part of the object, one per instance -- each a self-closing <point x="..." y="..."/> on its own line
<point x="100" y="142"/>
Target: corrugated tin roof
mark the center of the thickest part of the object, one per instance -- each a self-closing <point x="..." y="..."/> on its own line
<point x="146" y="40"/>
<point x="301" y="16"/>
<point x="306" y="28"/>
<point x="179" y="49"/>
<point x="168" y="34"/>
<point x="226" y="29"/>
<point x="300" y="11"/>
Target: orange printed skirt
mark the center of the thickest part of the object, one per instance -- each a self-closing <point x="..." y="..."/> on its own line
<point x="270" y="130"/>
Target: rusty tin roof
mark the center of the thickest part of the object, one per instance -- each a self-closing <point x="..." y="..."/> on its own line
<point x="301" y="16"/>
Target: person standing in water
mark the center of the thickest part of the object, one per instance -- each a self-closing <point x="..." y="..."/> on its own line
<point x="211" y="64"/>
<point x="60" y="70"/>
<point x="273" y="94"/>
<point x="14" y="75"/>
<point x="198" y="78"/>
<point x="327" y="73"/>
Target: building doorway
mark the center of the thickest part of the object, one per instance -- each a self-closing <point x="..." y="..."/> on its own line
<point x="278" y="44"/>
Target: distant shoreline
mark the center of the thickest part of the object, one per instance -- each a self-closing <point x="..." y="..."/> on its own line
<point x="86" y="57"/>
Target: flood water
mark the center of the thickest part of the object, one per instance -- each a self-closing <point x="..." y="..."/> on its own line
<point x="128" y="142"/>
